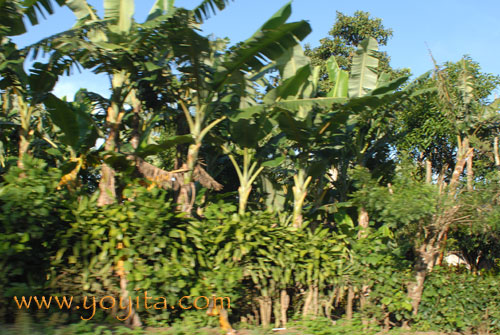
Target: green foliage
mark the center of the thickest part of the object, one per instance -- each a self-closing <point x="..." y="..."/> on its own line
<point x="325" y="326"/>
<point x="432" y="122"/>
<point x="143" y="226"/>
<point x="336" y="137"/>
<point x="454" y="300"/>
<point x="29" y="221"/>
<point x="379" y="263"/>
<point x="14" y="11"/>
<point x="393" y="207"/>
<point x="364" y="69"/>
<point x="193" y="322"/>
<point x="76" y="124"/>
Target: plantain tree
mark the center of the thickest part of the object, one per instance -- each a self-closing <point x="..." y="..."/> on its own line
<point x="211" y="80"/>
<point x="21" y="92"/>
<point x="325" y="126"/>
<point x="122" y="48"/>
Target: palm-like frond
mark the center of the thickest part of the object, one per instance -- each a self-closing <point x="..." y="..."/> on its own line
<point x="82" y="10"/>
<point x="269" y="43"/>
<point x="161" y="7"/>
<point x="203" y="10"/>
<point x="12" y="14"/>
<point x="35" y="8"/>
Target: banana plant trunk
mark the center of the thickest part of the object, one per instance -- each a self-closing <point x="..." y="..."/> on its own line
<point x="299" y="194"/>
<point x="187" y="192"/>
<point x="244" y="194"/>
<point x="284" y="304"/>
<point x="24" y="133"/>
<point x="114" y="117"/>
<point x="265" y="306"/>
<point x="350" y="303"/>
<point x="107" y="185"/>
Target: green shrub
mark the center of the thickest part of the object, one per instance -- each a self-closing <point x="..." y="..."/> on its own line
<point x="458" y="301"/>
<point x="30" y="211"/>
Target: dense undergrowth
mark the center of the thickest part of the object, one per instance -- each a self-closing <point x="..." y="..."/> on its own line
<point x="244" y="257"/>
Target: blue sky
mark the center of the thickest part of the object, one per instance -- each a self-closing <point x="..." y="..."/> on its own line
<point x="450" y="28"/>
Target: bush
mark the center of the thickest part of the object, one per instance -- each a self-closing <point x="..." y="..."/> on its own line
<point x="455" y="300"/>
<point x="30" y="212"/>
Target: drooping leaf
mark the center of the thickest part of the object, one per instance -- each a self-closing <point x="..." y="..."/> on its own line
<point x="291" y="61"/>
<point x="160" y="7"/>
<point x="269" y="42"/>
<point x="247" y="132"/>
<point x="274" y="162"/>
<point x="36" y="6"/>
<point x="296" y="104"/>
<point x="202" y="11"/>
<point x="82" y="10"/>
<point x="290" y="87"/>
<point x="12" y="13"/>
<point x="247" y="113"/>
<point x="389" y="86"/>
<point x="152" y="149"/>
<point x="41" y="80"/>
<point x="296" y="130"/>
<point x="77" y="126"/>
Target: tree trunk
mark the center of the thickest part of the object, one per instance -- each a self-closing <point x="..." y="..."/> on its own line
<point x="311" y="304"/>
<point x="284" y="303"/>
<point x="265" y="304"/>
<point x="244" y="194"/>
<point x="443" y="250"/>
<point x="23" y="147"/>
<point x="136" y="105"/>
<point x="416" y="289"/>
<point x="107" y="187"/>
<point x="350" y="301"/>
<point x="470" y="172"/>
<point x="187" y="193"/>
<point x="428" y="171"/>
<point x="387" y="321"/>
<point x="277" y="313"/>
<point x="133" y="319"/>
<point x="308" y="302"/>
<point x="495" y="153"/>
<point x="24" y="132"/>
<point x="363" y="301"/>
<point x="114" y="118"/>
<point x="299" y="195"/>
<point x="256" y="314"/>
<point x="107" y="183"/>
<point x="434" y="234"/>
<point x="315" y="300"/>
<point x="423" y="266"/>
<point x="329" y="306"/>
<point x="363" y="222"/>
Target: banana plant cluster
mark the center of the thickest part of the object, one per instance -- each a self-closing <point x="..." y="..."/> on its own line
<point x="225" y="169"/>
